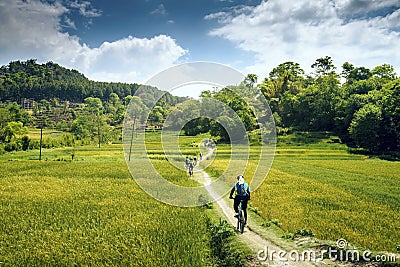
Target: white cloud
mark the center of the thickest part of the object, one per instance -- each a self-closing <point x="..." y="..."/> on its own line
<point x="160" y="10"/>
<point x="351" y="8"/>
<point x="132" y="58"/>
<point x="69" y="23"/>
<point x="302" y="31"/>
<point x="85" y="9"/>
<point x="32" y="29"/>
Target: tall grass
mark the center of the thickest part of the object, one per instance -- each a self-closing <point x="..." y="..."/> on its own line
<point x="320" y="186"/>
<point x="90" y="212"/>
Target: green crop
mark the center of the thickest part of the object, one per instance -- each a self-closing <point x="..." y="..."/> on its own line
<point x="324" y="188"/>
<point x="91" y="212"/>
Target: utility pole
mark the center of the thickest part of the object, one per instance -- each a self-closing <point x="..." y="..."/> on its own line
<point x="133" y="132"/>
<point x="40" y="144"/>
<point x="98" y="131"/>
<point x="41" y="117"/>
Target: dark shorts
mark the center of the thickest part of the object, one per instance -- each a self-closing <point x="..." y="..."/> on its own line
<point x="237" y="201"/>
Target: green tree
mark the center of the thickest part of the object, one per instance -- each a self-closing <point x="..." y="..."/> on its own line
<point x="12" y="112"/>
<point x="156" y="116"/>
<point x="390" y="134"/>
<point x="324" y="66"/>
<point x="94" y="105"/>
<point x="384" y="71"/>
<point x="313" y="108"/>
<point x="84" y="127"/>
<point x="136" y="112"/>
<point x="353" y="74"/>
<point x="291" y="70"/>
<point x="12" y="121"/>
<point x="126" y="100"/>
<point x="286" y="77"/>
<point x="186" y="117"/>
<point x="365" y="127"/>
<point x="12" y="129"/>
<point x="205" y="94"/>
<point x="238" y="104"/>
<point x="91" y="122"/>
<point x="250" y="80"/>
<point x="114" y="109"/>
<point x="221" y="128"/>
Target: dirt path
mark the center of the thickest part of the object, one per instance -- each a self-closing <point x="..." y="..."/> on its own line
<point x="253" y="240"/>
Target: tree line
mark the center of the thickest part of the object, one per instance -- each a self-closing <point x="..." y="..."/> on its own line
<point x="65" y="100"/>
<point x="360" y="105"/>
<point x="28" y="79"/>
<point x="93" y="121"/>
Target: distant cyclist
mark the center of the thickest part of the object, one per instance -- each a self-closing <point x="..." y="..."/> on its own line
<point x="190" y="166"/>
<point x="187" y="162"/>
<point x="242" y="193"/>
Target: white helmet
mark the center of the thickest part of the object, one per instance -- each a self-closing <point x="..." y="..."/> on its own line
<point x="240" y="178"/>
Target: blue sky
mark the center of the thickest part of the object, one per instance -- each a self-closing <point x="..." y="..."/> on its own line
<point x="183" y="21"/>
<point x="132" y="40"/>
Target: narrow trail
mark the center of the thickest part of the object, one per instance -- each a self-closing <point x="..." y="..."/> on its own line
<point x="252" y="239"/>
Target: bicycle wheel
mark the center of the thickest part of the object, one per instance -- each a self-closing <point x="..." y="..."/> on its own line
<point x="241" y="221"/>
<point x="238" y="222"/>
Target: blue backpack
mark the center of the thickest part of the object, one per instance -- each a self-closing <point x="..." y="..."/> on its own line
<point x="241" y="189"/>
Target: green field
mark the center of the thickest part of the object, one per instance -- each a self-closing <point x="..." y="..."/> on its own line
<point x="322" y="187"/>
<point x="90" y="212"/>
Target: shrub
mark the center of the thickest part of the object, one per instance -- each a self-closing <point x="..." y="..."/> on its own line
<point x="304" y="232"/>
<point x="205" y="202"/>
<point x="268" y="223"/>
<point x="25" y="142"/>
<point x="255" y="210"/>
<point x="225" y="248"/>
<point x="34" y="144"/>
<point x="14" y="145"/>
<point x="276" y="222"/>
<point x="288" y="235"/>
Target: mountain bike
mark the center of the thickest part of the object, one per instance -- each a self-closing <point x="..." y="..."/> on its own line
<point x="240" y="218"/>
<point x="241" y="221"/>
<point x="190" y="169"/>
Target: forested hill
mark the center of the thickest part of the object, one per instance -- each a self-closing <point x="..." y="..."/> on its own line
<point x="28" y="79"/>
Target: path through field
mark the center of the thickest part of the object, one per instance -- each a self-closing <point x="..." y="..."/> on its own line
<point x="253" y="240"/>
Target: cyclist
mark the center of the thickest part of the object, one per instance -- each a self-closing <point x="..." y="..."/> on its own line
<point x="190" y="166"/>
<point x="242" y="193"/>
<point x="186" y="162"/>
